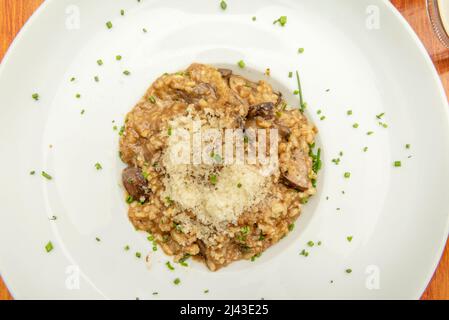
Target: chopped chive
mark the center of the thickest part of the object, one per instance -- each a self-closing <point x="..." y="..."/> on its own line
<point x="138" y="255"/>
<point x="348" y="270"/>
<point x="98" y="239"/>
<point x="302" y="105"/>
<point x="118" y="57"/>
<point x="83" y="111"/>
<point x="397" y="163"/>
<point x="310" y="243"/>
<point x="223" y="5"/>
<point x="72" y="79"/>
<point x="152" y="99"/>
<point x="169" y="266"/>
<point x="369" y="133"/>
<point x="96" y="79"/>
<point x="100" y="62"/>
<point x="98" y="166"/>
<point x="347" y="175"/>
<point x="254" y="18"/>
<point x="32" y="173"/>
<point x="301" y="50"/>
<point x="49" y="247"/>
<point x="35" y="96"/>
<point x="46" y="175"/>
<point x="213" y="179"/>
<point x="355" y="125"/>
<point x="407" y="146"/>
<point x="290" y="74"/>
<point x="144" y="30"/>
<point x="323" y="118"/>
<point x="239" y="185"/>
<point x="170" y="131"/>
<point x="78" y="96"/>
<point x="206" y="291"/>
<point x="379" y="116"/>
<point x="349" y="112"/>
<point x="129" y="199"/>
<point x="349" y="238"/>
<point x="365" y="149"/>
<point x="304" y="253"/>
<point x="122" y="12"/>
<point x="291" y="227"/>
<point x="177" y="281"/>
<point x="126" y="73"/>
<point x="122" y="131"/>
<point x="241" y="64"/>
<point x="109" y="24"/>
<point x="127" y="248"/>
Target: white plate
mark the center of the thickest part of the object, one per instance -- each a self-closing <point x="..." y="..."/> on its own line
<point x="362" y="50"/>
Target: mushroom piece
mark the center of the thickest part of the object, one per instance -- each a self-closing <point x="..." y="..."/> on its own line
<point x="135" y="183"/>
<point x="201" y="90"/>
<point x="225" y="73"/>
<point x="295" y="172"/>
<point x="264" y="110"/>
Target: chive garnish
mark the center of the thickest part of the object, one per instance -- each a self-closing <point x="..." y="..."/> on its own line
<point x="302" y="105"/>
<point x="223" y="5"/>
<point x="282" y="21"/>
<point x="109" y="24"/>
<point x="213" y="179"/>
<point x="49" y="247"/>
<point x="46" y="175"/>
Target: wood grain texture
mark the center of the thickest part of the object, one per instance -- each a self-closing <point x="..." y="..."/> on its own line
<point x="14" y="13"/>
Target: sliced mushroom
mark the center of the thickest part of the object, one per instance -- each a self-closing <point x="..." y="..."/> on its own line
<point x="284" y="131"/>
<point x="264" y="110"/>
<point x="204" y="89"/>
<point x="225" y="73"/>
<point x="198" y="92"/>
<point x="295" y="172"/>
<point x="135" y="183"/>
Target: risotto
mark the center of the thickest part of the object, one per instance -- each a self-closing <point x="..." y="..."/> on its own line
<point x="210" y="206"/>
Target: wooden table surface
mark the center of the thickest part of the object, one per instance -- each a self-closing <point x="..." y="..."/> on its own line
<point x="14" y="13"/>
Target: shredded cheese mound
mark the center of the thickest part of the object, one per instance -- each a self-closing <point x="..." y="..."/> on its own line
<point x="215" y="202"/>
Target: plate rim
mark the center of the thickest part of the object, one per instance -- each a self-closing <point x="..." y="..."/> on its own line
<point x="388" y="6"/>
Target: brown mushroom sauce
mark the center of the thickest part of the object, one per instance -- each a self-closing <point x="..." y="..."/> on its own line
<point x="239" y="103"/>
